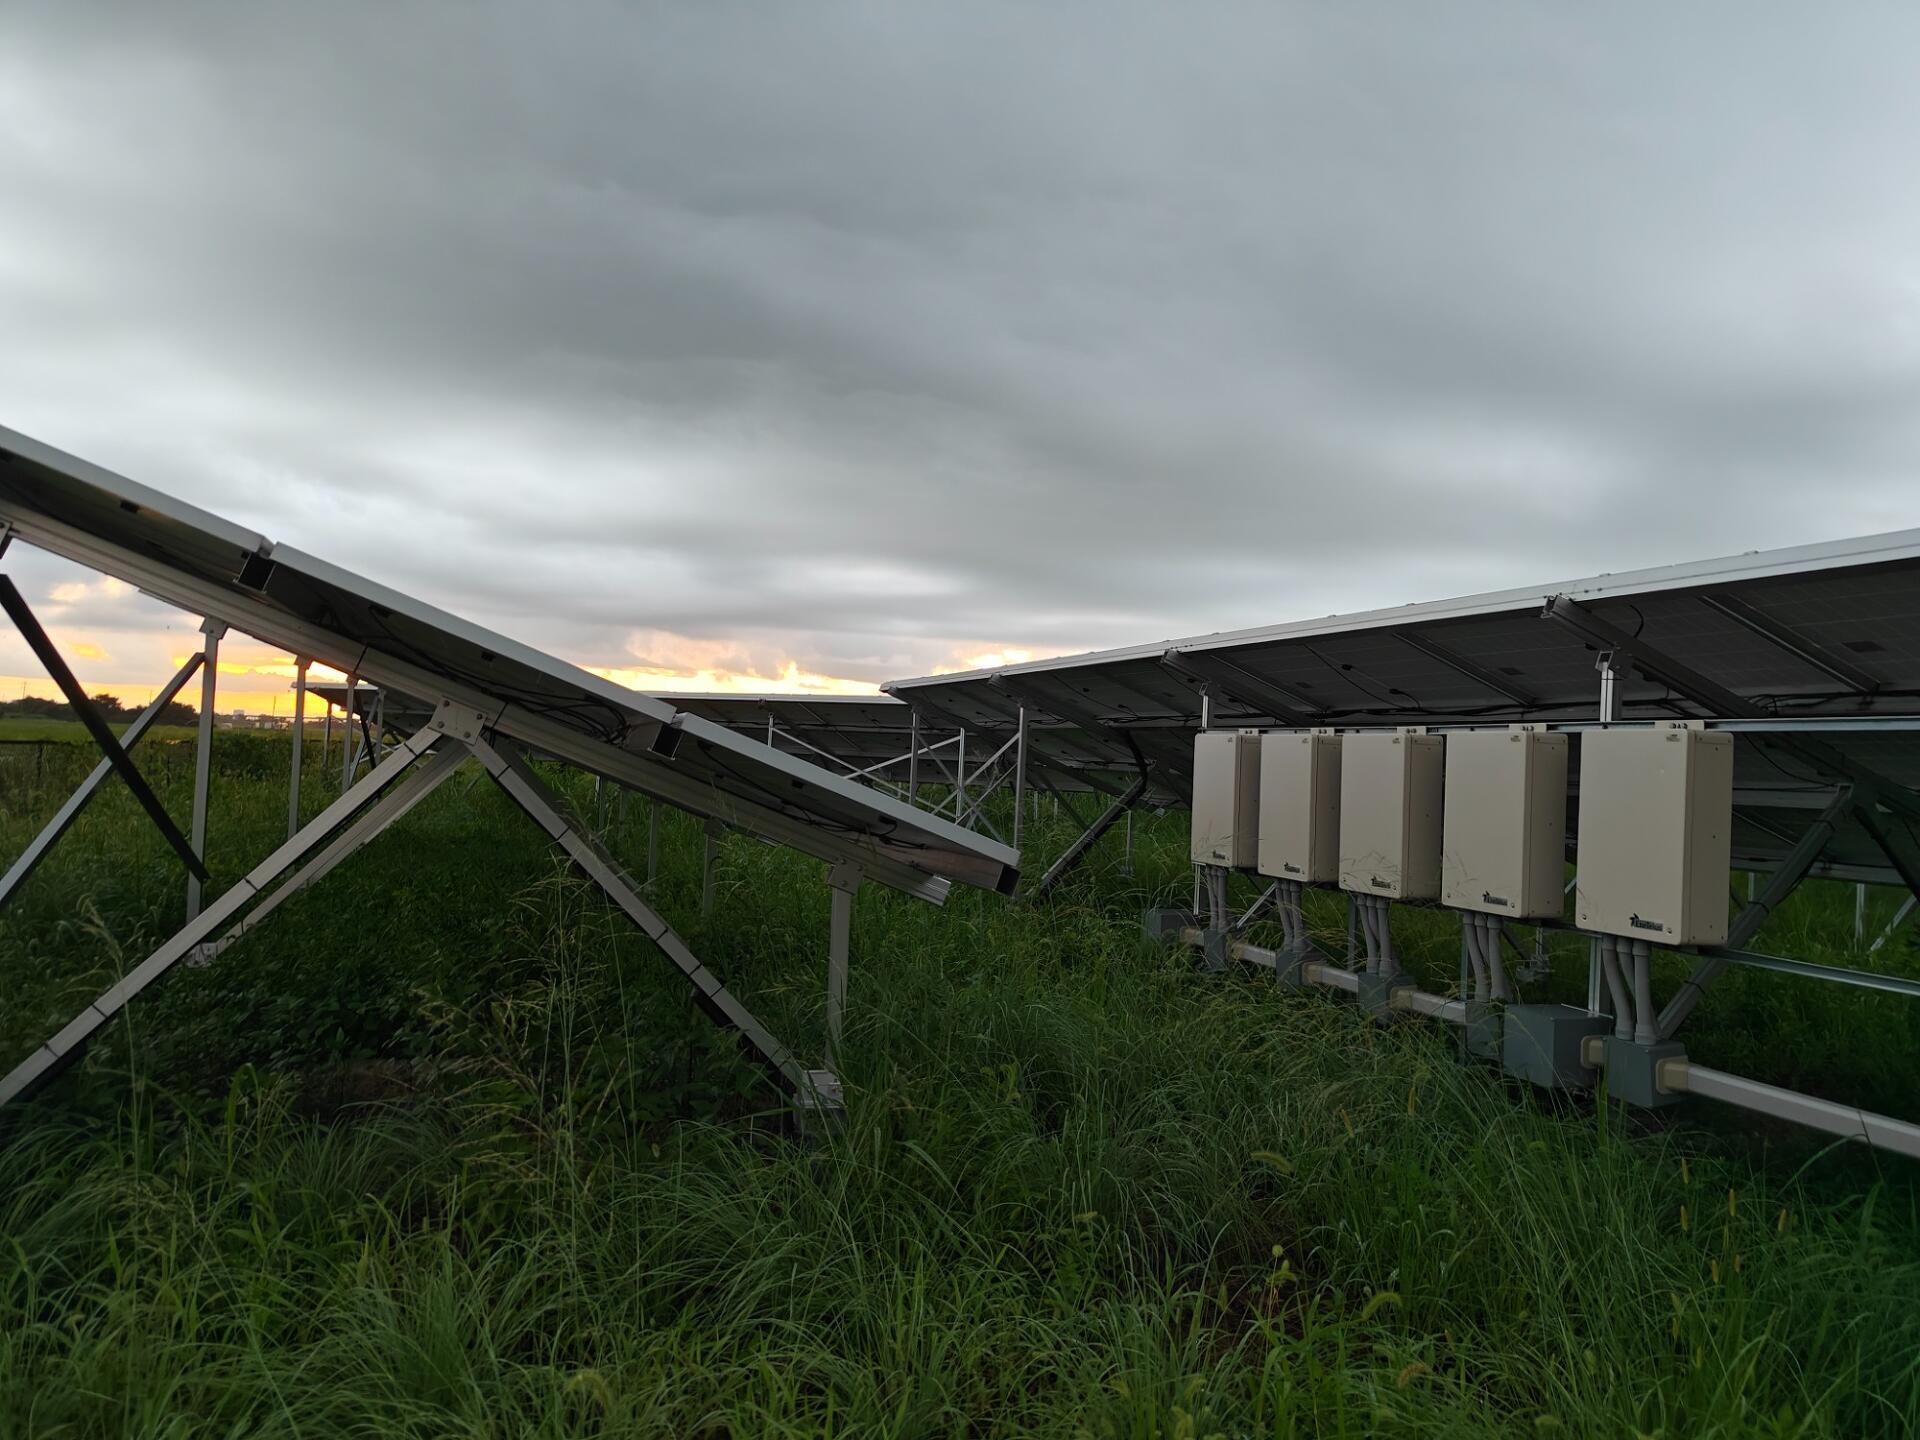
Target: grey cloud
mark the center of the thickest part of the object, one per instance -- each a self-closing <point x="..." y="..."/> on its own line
<point x="854" y="336"/>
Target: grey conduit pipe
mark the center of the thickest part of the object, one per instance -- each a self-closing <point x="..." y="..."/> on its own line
<point x="1645" y="1032"/>
<point x="1383" y="919"/>
<point x="1616" y="987"/>
<point x="1471" y="928"/>
<point x="1490" y="942"/>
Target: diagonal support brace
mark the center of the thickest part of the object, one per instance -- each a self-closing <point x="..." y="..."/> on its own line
<point x="1077" y="851"/>
<point x="50" y="835"/>
<point x="63" y="1048"/>
<point x="513" y="775"/>
<point x="1792" y="870"/>
<point x="15" y="604"/>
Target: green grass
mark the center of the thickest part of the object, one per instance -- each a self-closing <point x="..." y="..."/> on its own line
<point x="72" y="731"/>
<point x="441" y="1149"/>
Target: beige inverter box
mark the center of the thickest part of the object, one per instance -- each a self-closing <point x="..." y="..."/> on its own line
<point x="1504" y="841"/>
<point x="1656" y="833"/>
<point x="1300" y="805"/>
<point x="1226" y="798"/>
<point x="1390" y="788"/>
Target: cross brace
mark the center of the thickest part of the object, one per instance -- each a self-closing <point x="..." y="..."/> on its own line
<point x="15" y="604"/>
<point x="391" y="788"/>
<point x="50" y="835"/>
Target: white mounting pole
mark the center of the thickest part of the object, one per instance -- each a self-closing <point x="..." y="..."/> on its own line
<point x="1019" y="774"/>
<point x="346" y="732"/>
<point x="203" y="754"/>
<point x="913" y="758"/>
<point x="300" y="663"/>
<point x="707" y="878"/>
<point x="844" y="881"/>
<point x="1610" y="677"/>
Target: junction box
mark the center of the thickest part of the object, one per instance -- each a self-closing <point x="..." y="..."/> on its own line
<point x="1300" y="806"/>
<point x="1656" y="833"/>
<point x="1226" y="798"/>
<point x="1390" y="793"/>
<point x="1504" y="848"/>
<point x="1545" y="1044"/>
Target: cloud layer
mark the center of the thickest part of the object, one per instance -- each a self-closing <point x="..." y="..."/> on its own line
<point x="861" y="341"/>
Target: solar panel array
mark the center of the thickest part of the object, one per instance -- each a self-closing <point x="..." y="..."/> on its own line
<point x="1819" y="638"/>
<point x="308" y="606"/>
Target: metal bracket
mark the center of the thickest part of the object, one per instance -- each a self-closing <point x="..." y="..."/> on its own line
<point x="1204" y="672"/>
<point x="457" y="722"/>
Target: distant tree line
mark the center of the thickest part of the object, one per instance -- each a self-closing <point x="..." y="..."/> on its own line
<point x="32" y="707"/>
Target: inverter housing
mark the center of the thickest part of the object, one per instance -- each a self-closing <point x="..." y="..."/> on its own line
<point x="1300" y="805"/>
<point x="1226" y="798"/>
<point x="1504" y="839"/>
<point x="1390" y="802"/>
<point x="1656" y="833"/>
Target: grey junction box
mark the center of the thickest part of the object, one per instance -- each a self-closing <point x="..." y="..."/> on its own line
<point x="1300" y="805"/>
<point x="1390" y="788"/>
<point x="1226" y="798"/>
<point x="1656" y="833"/>
<point x="1504" y="849"/>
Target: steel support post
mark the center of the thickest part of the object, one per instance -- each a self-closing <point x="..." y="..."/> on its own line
<point x="1859" y="914"/>
<point x="203" y="755"/>
<point x="653" y="841"/>
<point x="844" y="882"/>
<point x="1019" y="774"/>
<point x="300" y="664"/>
<point x="913" y="757"/>
<point x="1610" y="678"/>
<point x="1126" y="862"/>
<point x="326" y="740"/>
<point x="710" y="856"/>
<point x="50" y="834"/>
<point x="960" y="776"/>
<point x="347" y="733"/>
<point x="64" y="1047"/>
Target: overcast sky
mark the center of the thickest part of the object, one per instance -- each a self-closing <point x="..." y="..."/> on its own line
<point x="739" y="341"/>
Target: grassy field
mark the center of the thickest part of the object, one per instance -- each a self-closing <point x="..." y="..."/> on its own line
<point x="27" y="728"/>
<point x="442" y="1150"/>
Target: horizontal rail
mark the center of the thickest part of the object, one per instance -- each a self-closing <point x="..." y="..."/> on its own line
<point x="1883" y="1132"/>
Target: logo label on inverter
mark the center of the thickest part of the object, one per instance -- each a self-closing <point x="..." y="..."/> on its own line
<point x="1378" y="883"/>
<point x="1639" y="924"/>
<point x="1290" y="868"/>
<point x="1487" y="897"/>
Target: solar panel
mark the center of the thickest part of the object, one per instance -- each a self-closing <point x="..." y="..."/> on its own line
<point x="306" y="605"/>
<point x="1808" y="639"/>
<point x="490" y="697"/>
